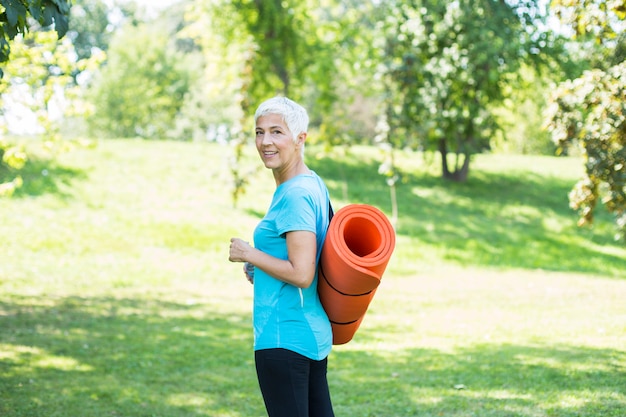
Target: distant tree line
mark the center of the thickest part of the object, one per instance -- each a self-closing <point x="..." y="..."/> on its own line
<point x="450" y="78"/>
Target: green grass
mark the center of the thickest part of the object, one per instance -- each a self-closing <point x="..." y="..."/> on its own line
<point x="117" y="299"/>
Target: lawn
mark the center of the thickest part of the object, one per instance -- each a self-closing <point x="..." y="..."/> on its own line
<point x="117" y="299"/>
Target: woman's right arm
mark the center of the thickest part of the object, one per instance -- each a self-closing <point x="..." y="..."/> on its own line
<point x="297" y="270"/>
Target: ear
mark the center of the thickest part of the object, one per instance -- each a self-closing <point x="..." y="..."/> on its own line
<point x="301" y="138"/>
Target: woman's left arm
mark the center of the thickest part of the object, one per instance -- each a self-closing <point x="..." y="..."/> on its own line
<point x="297" y="270"/>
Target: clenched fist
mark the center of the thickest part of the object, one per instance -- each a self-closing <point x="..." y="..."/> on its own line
<point x="239" y="248"/>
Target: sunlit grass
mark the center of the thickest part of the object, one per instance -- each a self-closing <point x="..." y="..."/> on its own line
<point x="117" y="299"/>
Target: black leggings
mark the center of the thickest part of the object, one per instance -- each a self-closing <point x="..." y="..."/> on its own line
<point x="293" y="385"/>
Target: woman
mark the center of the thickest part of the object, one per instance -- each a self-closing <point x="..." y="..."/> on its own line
<point x="292" y="333"/>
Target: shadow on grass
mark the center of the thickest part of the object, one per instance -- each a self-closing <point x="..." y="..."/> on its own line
<point x="492" y="220"/>
<point x="488" y="380"/>
<point x="125" y="357"/>
<point x="102" y="357"/>
<point x="43" y="176"/>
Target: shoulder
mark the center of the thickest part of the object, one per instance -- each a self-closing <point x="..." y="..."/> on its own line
<point x="302" y="186"/>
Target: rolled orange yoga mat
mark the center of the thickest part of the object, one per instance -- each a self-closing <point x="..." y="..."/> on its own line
<point x="358" y="246"/>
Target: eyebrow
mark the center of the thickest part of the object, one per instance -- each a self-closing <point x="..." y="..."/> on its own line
<point x="271" y="127"/>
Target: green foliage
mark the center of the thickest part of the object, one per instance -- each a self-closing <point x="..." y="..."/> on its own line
<point x="142" y="87"/>
<point x="590" y="112"/>
<point x="520" y="115"/>
<point x="14" y="20"/>
<point x="12" y="159"/>
<point x="276" y="30"/>
<point x="598" y="28"/>
<point x="39" y="74"/>
<point x="445" y="66"/>
<point x="213" y="106"/>
<point x="601" y="19"/>
<point x="254" y="50"/>
<point x="287" y="48"/>
<point x="40" y="79"/>
<point x="346" y="104"/>
<point x="123" y="301"/>
<point x="90" y="27"/>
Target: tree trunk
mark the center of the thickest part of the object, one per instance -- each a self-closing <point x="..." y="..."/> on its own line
<point x="459" y="174"/>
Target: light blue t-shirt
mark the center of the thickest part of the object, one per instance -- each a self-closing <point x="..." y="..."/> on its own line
<point x="286" y="316"/>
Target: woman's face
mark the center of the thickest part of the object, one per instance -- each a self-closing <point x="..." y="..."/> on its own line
<point x="275" y="143"/>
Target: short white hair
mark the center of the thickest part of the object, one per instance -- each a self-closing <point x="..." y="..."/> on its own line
<point x="293" y="114"/>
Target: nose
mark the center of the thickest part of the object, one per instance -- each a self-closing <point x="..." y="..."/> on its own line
<point x="266" y="138"/>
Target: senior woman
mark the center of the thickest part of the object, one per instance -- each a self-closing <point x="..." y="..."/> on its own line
<point x="292" y="333"/>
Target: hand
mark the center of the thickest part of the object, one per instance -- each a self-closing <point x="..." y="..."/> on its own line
<point x="238" y="250"/>
<point x="248" y="270"/>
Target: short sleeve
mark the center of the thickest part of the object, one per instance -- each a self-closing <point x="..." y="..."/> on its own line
<point x="297" y="212"/>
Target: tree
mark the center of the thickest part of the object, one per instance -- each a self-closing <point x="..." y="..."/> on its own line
<point x="14" y="19"/>
<point x="90" y="27"/>
<point x="283" y="47"/>
<point x="590" y="111"/>
<point x="270" y="47"/>
<point x="18" y="17"/>
<point x="141" y="89"/>
<point x="39" y="81"/>
<point x="446" y="65"/>
<point x="598" y="25"/>
<point x="520" y="115"/>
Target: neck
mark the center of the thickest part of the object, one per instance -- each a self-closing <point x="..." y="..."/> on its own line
<point x="287" y="174"/>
